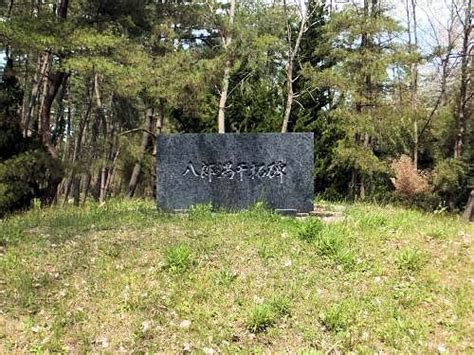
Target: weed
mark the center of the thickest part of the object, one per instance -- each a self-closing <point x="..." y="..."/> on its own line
<point x="10" y="232"/>
<point x="310" y="229"/>
<point x="438" y="233"/>
<point x="333" y="243"/>
<point x="264" y="251"/>
<point x="408" y="294"/>
<point x="226" y="277"/>
<point x="401" y="330"/>
<point x="280" y="305"/>
<point x="260" y="318"/>
<point x="263" y="316"/>
<point x="200" y="211"/>
<point x="373" y="220"/>
<point x="340" y="316"/>
<point x="179" y="258"/>
<point x="410" y="259"/>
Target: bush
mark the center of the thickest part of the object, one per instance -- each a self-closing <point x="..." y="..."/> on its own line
<point x="26" y="176"/>
<point x="408" y="181"/>
<point x="26" y="171"/>
<point x="450" y="181"/>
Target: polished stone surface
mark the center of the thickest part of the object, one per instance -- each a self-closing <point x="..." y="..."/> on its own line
<point x="233" y="171"/>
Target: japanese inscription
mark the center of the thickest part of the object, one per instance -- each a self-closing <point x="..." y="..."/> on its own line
<point x="237" y="171"/>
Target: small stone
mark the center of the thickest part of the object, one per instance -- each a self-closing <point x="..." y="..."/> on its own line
<point x="208" y="350"/>
<point x="35" y="329"/>
<point x="103" y="341"/>
<point x="441" y="348"/>
<point x="146" y="326"/>
<point x="185" y="324"/>
<point x="187" y="347"/>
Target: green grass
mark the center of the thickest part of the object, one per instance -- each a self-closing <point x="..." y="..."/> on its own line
<point x="126" y="277"/>
<point x="179" y="258"/>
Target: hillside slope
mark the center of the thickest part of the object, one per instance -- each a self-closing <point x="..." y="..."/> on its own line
<point x="125" y="277"/>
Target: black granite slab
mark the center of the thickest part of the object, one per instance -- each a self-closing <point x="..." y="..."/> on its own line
<point x="233" y="171"/>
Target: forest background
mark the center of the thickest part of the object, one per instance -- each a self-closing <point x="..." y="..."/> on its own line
<point x="87" y="85"/>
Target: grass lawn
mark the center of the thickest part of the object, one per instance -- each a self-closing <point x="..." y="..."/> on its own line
<point x="124" y="277"/>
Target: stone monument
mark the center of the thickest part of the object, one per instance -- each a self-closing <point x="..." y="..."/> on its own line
<point x="234" y="171"/>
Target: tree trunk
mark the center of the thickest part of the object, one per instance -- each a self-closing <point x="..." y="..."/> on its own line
<point x="52" y="84"/>
<point x="87" y="185"/>
<point x="72" y="181"/>
<point x="292" y="52"/>
<point x="289" y="97"/>
<point x="223" y="98"/>
<point x="463" y="97"/>
<point x="107" y="162"/>
<point x="141" y="154"/>
<point x="226" y="41"/>
<point x="159" y="123"/>
<point x="414" y="86"/>
<point x="41" y="72"/>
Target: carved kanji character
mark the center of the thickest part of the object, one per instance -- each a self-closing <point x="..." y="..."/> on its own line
<point x="190" y="168"/>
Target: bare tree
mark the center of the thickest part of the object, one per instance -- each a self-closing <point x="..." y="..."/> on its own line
<point x="413" y="46"/>
<point x="226" y="37"/>
<point x="447" y="58"/>
<point x="466" y="49"/>
<point x="141" y="154"/>
<point x="292" y="53"/>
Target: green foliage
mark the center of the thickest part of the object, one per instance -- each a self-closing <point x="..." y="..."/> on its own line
<point x="265" y="315"/>
<point x="334" y="243"/>
<point x="310" y="229"/>
<point x="410" y="259"/>
<point x="260" y="318"/>
<point x="26" y="171"/>
<point x="226" y="277"/>
<point x="24" y="177"/>
<point x="450" y="180"/>
<point x="179" y="258"/>
<point x="339" y="316"/>
<point x="200" y="211"/>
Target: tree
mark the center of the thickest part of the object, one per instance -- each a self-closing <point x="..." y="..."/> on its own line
<point x="360" y="42"/>
<point x="464" y="95"/>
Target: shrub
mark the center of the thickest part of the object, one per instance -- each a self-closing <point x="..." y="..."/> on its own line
<point x="450" y="181"/>
<point x="408" y="181"/>
<point x="26" y="176"/>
